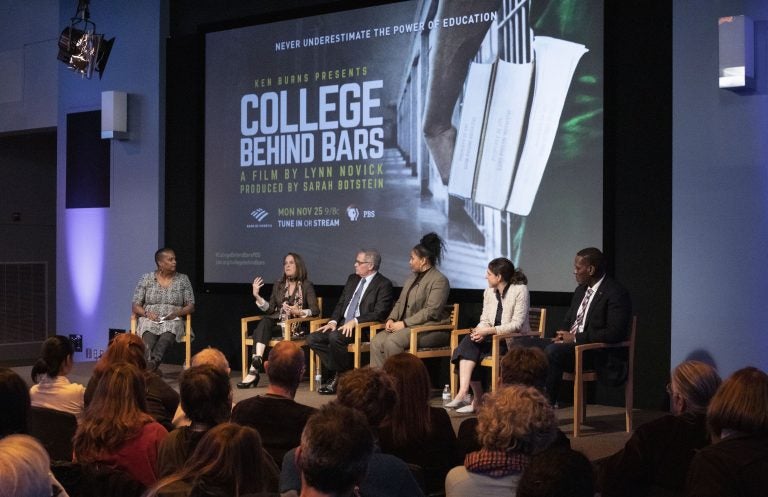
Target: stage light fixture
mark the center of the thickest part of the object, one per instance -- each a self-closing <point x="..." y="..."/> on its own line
<point x="81" y="48"/>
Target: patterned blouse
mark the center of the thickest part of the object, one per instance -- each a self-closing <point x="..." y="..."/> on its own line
<point x="163" y="300"/>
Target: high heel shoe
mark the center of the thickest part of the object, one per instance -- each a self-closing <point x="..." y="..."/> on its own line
<point x="257" y="364"/>
<point x="250" y="381"/>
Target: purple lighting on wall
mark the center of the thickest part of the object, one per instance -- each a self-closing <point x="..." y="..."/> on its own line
<point x="85" y="253"/>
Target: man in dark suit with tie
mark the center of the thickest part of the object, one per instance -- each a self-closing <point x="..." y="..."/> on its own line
<point x="367" y="296"/>
<point x="600" y="312"/>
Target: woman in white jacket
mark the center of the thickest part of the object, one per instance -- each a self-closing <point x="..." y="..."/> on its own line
<point x="505" y="310"/>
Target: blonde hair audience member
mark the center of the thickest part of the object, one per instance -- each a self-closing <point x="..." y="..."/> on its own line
<point x="25" y="469"/>
<point x="737" y="462"/>
<point x="514" y="423"/>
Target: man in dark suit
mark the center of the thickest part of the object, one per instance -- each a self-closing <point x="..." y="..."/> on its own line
<point x="600" y="312"/>
<point x="367" y="296"/>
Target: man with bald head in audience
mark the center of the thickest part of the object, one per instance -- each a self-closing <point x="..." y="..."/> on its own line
<point x="275" y="415"/>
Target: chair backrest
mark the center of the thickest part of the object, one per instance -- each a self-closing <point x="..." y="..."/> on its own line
<point x="453" y="315"/>
<point x="54" y="429"/>
<point x="95" y="480"/>
<point x="537" y="318"/>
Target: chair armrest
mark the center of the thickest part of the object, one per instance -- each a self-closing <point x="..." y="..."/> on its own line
<point x="423" y="329"/>
<point x="359" y="330"/>
<point x="290" y="322"/>
<point x="432" y="327"/>
<point x="600" y="345"/>
<point x="375" y="327"/>
<point x="457" y="334"/>
<point x="317" y="323"/>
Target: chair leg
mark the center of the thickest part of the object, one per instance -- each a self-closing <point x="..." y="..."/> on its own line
<point x="628" y="403"/>
<point x="245" y="359"/>
<point x="187" y="352"/>
<point x="577" y="409"/>
<point x="311" y="371"/>
<point x="452" y="375"/>
<point x="494" y="374"/>
<point x="578" y="396"/>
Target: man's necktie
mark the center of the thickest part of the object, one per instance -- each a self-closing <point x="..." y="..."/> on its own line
<point x="352" y="307"/>
<point x="582" y="310"/>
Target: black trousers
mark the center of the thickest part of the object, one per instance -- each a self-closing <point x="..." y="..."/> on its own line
<point x="562" y="358"/>
<point x="265" y="330"/>
<point x="332" y="349"/>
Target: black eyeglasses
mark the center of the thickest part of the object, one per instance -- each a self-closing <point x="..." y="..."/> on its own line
<point x="362" y="262"/>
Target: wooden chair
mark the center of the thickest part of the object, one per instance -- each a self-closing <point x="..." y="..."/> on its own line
<point x="426" y="353"/>
<point x="54" y="429"/>
<point x="356" y="348"/>
<point x="248" y="341"/>
<point x="537" y="318"/>
<point x="187" y="338"/>
<point x="581" y="375"/>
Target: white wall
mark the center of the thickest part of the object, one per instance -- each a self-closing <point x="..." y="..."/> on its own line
<point x="121" y="248"/>
<point x="720" y="195"/>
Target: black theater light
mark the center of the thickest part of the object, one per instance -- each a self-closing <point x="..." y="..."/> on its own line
<point x="81" y="48"/>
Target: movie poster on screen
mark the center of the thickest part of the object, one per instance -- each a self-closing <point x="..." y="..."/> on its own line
<point x="335" y="132"/>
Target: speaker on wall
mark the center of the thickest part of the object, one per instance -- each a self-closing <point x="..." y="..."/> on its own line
<point x="737" y="52"/>
<point x="114" y="115"/>
<point x="87" y="162"/>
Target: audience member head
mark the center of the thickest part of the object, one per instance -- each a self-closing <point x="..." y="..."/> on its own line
<point x="429" y="248"/>
<point x="294" y="268"/>
<point x="505" y="269"/>
<point x="285" y="366"/>
<point x="24" y="468"/>
<point x="212" y="357"/>
<point x="55" y="358"/>
<point x="125" y="347"/>
<point x="336" y="447"/>
<point x="370" y="391"/>
<point x="14" y="396"/>
<point x="516" y="417"/>
<point x="206" y="395"/>
<point x="692" y="386"/>
<point x="524" y="366"/>
<point x="740" y="405"/>
<point x="116" y="413"/>
<point x="227" y="461"/>
<point x="411" y="417"/>
<point x="557" y="472"/>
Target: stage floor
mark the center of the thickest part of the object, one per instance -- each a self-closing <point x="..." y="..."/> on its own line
<point x="602" y="434"/>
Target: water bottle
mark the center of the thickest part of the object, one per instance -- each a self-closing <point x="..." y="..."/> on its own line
<point x="318" y="374"/>
<point x="446" y="394"/>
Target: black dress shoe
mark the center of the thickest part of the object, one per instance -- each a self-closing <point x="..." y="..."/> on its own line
<point x="250" y="384"/>
<point x="330" y="387"/>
